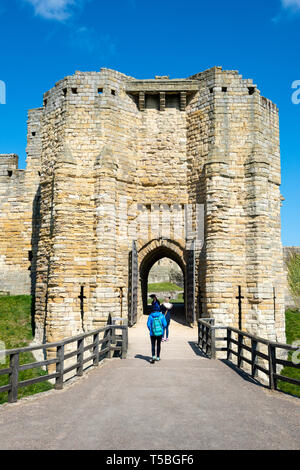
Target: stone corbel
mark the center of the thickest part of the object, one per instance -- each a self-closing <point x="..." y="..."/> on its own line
<point x="141" y="101"/>
<point x="182" y="100"/>
<point x="162" y="101"/>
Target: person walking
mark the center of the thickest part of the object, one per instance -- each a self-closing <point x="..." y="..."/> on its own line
<point x="156" y="325"/>
<point x="155" y="302"/>
<point x="166" y="308"/>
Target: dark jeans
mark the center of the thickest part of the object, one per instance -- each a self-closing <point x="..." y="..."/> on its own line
<point x="156" y="340"/>
<point x="167" y="330"/>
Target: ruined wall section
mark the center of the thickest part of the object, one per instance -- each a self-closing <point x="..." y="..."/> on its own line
<point x="18" y="189"/>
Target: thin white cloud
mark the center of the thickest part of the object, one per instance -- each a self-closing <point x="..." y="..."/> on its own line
<point x="89" y="40"/>
<point x="289" y="10"/>
<point x="59" y="10"/>
<point x="291" y="4"/>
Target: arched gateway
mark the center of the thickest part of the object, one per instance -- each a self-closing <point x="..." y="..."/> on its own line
<point x="147" y="256"/>
<point x="133" y="170"/>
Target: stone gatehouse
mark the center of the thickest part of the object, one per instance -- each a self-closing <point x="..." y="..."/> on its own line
<point x="123" y="172"/>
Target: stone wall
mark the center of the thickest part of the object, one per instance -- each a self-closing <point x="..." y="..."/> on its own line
<point x="18" y="213"/>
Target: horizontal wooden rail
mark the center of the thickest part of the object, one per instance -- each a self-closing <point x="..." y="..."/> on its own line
<point x="99" y="349"/>
<point x="265" y="362"/>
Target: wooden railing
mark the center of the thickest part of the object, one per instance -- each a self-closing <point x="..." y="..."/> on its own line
<point x="261" y="353"/>
<point x="207" y="337"/>
<point x="99" y="348"/>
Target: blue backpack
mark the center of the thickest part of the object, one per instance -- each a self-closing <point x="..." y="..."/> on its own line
<point x="157" y="326"/>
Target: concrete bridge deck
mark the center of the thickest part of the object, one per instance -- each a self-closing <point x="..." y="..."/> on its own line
<point x="184" y="402"/>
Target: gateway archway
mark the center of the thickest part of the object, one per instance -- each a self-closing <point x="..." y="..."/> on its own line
<point x="142" y="258"/>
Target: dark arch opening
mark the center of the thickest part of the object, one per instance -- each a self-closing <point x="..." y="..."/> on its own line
<point x="149" y="261"/>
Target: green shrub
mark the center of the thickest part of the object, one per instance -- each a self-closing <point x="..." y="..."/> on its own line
<point x="293" y="266"/>
<point x="292" y="334"/>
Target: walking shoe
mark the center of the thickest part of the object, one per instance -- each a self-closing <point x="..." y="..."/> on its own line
<point x="158" y="358"/>
<point x="152" y="361"/>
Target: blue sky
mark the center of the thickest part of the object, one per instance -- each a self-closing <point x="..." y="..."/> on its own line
<point x="44" y="40"/>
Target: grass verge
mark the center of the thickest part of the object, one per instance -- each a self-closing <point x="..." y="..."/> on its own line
<point x="292" y="334"/>
<point x="164" y="287"/>
<point x="16" y="332"/>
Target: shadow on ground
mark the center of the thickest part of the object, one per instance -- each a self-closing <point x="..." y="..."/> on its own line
<point x="144" y="358"/>
<point x="196" y="349"/>
<point x="242" y="373"/>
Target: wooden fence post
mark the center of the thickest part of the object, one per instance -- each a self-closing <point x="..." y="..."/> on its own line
<point x="240" y="342"/>
<point x="253" y="357"/>
<point x="113" y="332"/>
<point x="96" y="350"/>
<point x="201" y="336"/>
<point x="206" y="339"/>
<point x="110" y="353"/>
<point x="14" y="378"/>
<point x="228" y="344"/>
<point x="124" y="342"/>
<point x="213" y="343"/>
<point x="80" y="347"/>
<point x="272" y="366"/>
<point x="60" y="354"/>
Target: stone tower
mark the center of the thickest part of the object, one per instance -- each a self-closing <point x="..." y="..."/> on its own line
<point x="187" y="169"/>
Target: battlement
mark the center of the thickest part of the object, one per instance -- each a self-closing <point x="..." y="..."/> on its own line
<point x="8" y="164"/>
<point x="108" y="88"/>
<point x="9" y="160"/>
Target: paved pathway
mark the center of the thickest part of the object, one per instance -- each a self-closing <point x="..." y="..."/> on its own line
<point x="184" y="402"/>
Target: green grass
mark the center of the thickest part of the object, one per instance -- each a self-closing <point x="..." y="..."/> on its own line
<point x="16" y="332"/>
<point x="164" y="287"/>
<point x="292" y="334"/>
<point x="178" y="300"/>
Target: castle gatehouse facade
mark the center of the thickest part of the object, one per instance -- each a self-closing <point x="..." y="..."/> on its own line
<point x="122" y="172"/>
